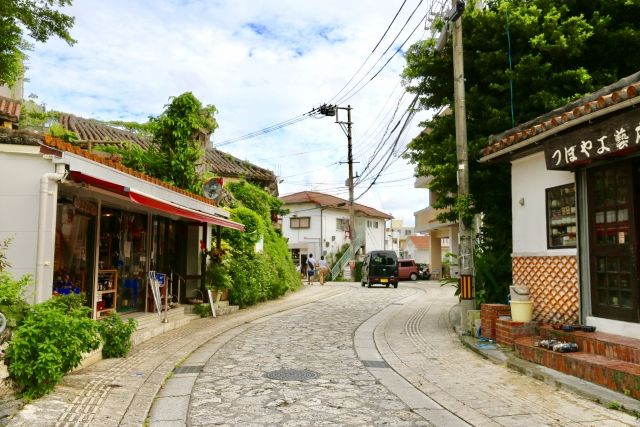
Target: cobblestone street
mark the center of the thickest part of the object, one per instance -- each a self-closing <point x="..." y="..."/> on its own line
<point x="334" y="355"/>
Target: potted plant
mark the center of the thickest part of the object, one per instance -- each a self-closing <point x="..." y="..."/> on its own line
<point x="217" y="276"/>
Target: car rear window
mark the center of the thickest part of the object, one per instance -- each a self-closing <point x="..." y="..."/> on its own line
<point x="382" y="260"/>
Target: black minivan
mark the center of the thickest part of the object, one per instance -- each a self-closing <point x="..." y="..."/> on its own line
<point x="380" y="267"/>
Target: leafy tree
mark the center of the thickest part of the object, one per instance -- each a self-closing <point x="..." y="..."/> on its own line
<point x="558" y="52"/>
<point x="176" y="150"/>
<point x="40" y="19"/>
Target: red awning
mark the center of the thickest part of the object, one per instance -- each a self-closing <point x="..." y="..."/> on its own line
<point x="155" y="203"/>
<point x="174" y="209"/>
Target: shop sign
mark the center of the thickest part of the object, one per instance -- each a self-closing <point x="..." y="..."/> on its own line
<point x="614" y="136"/>
<point x="85" y="206"/>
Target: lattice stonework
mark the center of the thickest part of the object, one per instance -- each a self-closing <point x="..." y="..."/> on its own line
<point x="553" y="286"/>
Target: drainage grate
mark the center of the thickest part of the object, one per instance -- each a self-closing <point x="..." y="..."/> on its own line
<point x="292" y="375"/>
<point x="375" y="364"/>
<point x="192" y="369"/>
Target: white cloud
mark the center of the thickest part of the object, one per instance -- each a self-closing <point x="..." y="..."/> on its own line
<point x="259" y="62"/>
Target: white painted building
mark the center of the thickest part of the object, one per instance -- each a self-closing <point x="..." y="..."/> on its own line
<point x="575" y="185"/>
<point x="318" y="224"/>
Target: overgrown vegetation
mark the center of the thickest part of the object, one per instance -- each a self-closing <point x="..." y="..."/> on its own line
<point x="116" y="335"/>
<point x="544" y="53"/>
<point x="257" y="275"/>
<point x="49" y="342"/>
<point x="177" y="149"/>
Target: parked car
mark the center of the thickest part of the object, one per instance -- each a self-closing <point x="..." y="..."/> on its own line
<point x="424" y="273"/>
<point x="380" y="267"/>
<point x="408" y="269"/>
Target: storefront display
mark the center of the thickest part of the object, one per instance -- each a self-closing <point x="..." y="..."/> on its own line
<point x="74" y="247"/>
<point x="107" y="292"/>
<point x="561" y="217"/>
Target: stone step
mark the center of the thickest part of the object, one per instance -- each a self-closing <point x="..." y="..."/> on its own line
<point x="222" y="308"/>
<point x="608" y="345"/>
<point x="151" y="325"/>
<point x="615" y="374"/>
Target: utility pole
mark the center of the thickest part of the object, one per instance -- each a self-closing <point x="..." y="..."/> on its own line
<point x="332" y="110"/>
<point x="465" y="234"/>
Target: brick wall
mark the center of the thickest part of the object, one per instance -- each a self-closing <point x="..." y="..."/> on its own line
<point x="507" y="331"/>
<point x="489" y="314"/>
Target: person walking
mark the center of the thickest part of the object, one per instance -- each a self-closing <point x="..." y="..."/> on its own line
<point x="323" y="269"/>
<point x="311" y="268"/>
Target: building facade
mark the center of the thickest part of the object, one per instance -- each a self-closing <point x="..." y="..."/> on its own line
<point x="79" y="222"/>
<point x="318" y="224"/>
<point x="576" y="209"/>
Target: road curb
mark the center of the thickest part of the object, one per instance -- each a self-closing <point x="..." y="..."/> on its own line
<point x="502" y="355"/>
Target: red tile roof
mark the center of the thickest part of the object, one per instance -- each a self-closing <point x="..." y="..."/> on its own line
<point x="9" y="109"/>
<point x="327" y="200"/>
<point x="94" y="132"/>
<point x="420" y="242"/>
<point x="626" y="89"/>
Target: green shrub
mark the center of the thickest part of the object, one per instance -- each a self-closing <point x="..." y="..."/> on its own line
<point x="49" y="343"/>
<point x="203" y="310"/>
<point x="12" y="302"/>
<point x="116" y="335"/>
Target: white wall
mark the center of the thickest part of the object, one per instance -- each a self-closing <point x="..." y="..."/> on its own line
<point x="308" y="239"/>
<point x="529" y="179"/>
<point x="374" y="237"/>
<point x="19" y="200"/>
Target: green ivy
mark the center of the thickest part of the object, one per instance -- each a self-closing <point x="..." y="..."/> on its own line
<point x="49" y="343"/>
<point x="116" y="335"/>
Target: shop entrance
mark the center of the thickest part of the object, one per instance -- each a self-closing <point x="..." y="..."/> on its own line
<point x="614" y="208"/>
<point x="174" y="252"/>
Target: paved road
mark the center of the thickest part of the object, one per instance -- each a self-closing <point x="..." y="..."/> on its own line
<point x="382" y="357"/>
<point x="379" y="356"/>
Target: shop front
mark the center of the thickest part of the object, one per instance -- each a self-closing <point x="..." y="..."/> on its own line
<point x="82" y="224"/>
<point x="576" y="209"/>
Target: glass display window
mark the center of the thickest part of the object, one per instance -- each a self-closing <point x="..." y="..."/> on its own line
<point x="74" y="249"/>
<point x="561" y="216"/>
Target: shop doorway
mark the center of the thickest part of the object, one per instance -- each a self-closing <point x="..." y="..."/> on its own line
<point x="613" y="215"/>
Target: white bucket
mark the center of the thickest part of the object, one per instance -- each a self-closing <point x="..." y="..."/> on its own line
<point x="521" y="311"/>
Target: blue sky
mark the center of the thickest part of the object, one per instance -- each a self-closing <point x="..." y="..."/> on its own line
<point x="260" y="63"/>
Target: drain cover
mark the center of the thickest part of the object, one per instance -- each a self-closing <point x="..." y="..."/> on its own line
<point x="375" y="364"/>
<point x="191" y="369"/>
<point x="292" y="375"/>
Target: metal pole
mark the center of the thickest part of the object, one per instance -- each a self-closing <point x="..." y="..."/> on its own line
<point x="352" y="216"/>
<point x="465" y="234"/>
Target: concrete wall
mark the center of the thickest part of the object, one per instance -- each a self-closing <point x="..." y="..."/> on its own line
<point x="529" y="179"/>
<point x="19" y="198"/>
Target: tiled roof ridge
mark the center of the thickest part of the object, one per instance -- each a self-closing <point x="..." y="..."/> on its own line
<point x="624" y="89"/>
<point x="10" y="108"/>
<point x="313" y="196"/>
<point x="100" y="132"/>
<point x="65" y="146"/>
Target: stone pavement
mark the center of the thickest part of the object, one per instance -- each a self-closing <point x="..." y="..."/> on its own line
<point x="116" y="392"/>
<point x="369" y="356"/>
<point x="379" y="356"/>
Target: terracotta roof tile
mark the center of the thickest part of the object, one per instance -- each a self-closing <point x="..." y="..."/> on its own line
<point x="420" y="242"/>
<point x="322" y="199"/>
<point x="624" y="89"/>
<point x="93" y="132"/>
<point x="9" y="109"/>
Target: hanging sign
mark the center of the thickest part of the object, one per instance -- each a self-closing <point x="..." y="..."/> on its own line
<point x="615" y="135"/>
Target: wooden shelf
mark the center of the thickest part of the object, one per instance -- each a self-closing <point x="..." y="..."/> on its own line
<point x="107" y="292"/>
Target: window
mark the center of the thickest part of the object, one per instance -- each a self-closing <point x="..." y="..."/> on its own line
<point x="342" y="224"/>
<point x="561" y="216"/>
<point x="300" y="222"/>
